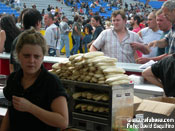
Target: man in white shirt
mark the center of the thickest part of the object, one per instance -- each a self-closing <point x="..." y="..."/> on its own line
<point x="52" y="35"/>
<point x="117" y="42"/>
<point x="151" y="33"/>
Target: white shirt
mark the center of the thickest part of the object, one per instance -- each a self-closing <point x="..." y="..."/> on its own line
<point x="52" y="36"/>
<point x="148" y="35"/>
<point x="109" y="43"/>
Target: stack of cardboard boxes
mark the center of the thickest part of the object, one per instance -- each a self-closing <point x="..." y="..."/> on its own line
<point x="158" y="113"/>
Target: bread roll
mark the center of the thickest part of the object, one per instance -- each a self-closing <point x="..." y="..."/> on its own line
<point x="90" y="107"/>
<point x="119" y="82"/>
<point x="117" y="78"/>
<point x="93" y="54"/>
<point x="76" y="95"/>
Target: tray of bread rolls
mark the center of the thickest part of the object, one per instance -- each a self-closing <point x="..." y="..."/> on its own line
<point x="92" y="68"/>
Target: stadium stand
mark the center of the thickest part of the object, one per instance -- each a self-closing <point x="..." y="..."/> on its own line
<point x="43" y="4"/>
<point x="4" y="9"/>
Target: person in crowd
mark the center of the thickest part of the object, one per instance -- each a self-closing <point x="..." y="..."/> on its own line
<point x="57" y="17"/>
<point x="64" y="29"/>
<point x="81" y="11"/>
<point x="102" y="10"/>
<point x="117" y="42"/>
<point x="19" y="23"/>
<point x="76" y="34"/>
<point x="49" y="8"/>
<point x="168" y="9"/>
<point x="8" y="32"/>
<point x="34" y="6"/>
<point x="92" y="5"/>
<point x="43" y="12"/>
<point x="38" y="99"/>
<point x="52" y="35"/>
<point x="88" y="34"/>
<point x="96" y="22"/>
<point x="57" y="21"/>
<point x="151" y="33"/>
<point x="87" y="9"/>
<point x="24" y="5"/>
<point x="108" y="25"/>
<point x="57" y="9"/>
<point x="162" y="75"/>
<point x="31" y="18"/>
<point x="52" y="11"/>
<point x="165" y="26"/>
<point x="135" y="21"/>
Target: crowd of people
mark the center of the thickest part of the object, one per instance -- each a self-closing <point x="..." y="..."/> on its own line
<point x="30" y="86"/>
<point x="137" y="19"/>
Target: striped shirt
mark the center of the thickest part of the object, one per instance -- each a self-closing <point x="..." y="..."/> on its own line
<point x="108" y="42"/>
<point x="170" y="38"/>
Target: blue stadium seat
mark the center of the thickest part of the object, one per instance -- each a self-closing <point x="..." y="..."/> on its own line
<point x="156" y="4"/>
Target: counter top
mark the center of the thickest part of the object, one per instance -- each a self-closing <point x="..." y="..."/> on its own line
<point x="47" y="59"/>
<point x="133" y="67"/>
<point x="149" y="87"/>
<point x="3" y="111"/>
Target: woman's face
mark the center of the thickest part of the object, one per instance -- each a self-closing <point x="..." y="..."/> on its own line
<point x="93" y="22"/>
<point x="30" y="58"/>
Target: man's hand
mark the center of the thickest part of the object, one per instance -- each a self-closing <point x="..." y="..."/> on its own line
<point x="21" y="104"/>
<point x="152" y="44"/>
<point x="136" y="46"/>
<point x="142" y="60"/>
<point x="141" y="47"/>
<point x="89" y="45"/>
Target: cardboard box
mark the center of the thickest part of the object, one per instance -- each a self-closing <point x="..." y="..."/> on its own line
<point x="159" y="114"/>
<point x="137" y="102"/>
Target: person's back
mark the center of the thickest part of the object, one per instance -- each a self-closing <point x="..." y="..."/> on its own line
<point x="31" y="18"/>
<point x="162" y="75"/>
<point x="76" y="33"/>
<point x="7" y="25"/>
<point x="64" y="30"/>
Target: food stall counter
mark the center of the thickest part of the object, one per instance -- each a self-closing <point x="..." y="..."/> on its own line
<point x="130" y="68"/>
<point x="4" y="62"/>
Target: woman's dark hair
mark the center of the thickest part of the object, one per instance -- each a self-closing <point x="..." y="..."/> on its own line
<point x="76" y="18"/>
<point x="21" y="14"/>
<point x="136" y="17"/>
<point x="98" y="18"/>
<point x="31" y="37"/>
<point x="9" y="26"/>
<point x="31" y="18"/>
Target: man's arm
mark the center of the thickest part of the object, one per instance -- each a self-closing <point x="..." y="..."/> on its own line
<point x="5" y="125"/>
<point x="159" y="43"/>
<point x="2" y="40"/>
<point x="141" y="47"/>
<point x="89" y="44"/>
<point x="140" y="34"/>
<point x="149" y="76"/>
<point x="143" y="60"/>
<point x="93" y="48"/>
